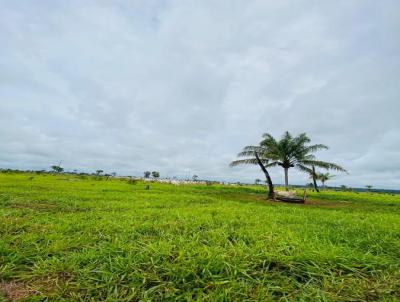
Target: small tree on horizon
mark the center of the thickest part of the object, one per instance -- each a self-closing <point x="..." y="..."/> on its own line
<point x="369" y="188"/>
<point x="146" y="174"/>
<point x="324" y="177"/>
<point x="195" y="178"/>
<point x="57" y="169"/>
<point x="310" y="185"/>
<point x="155" y="174"/>
<point x="99" y="172"/>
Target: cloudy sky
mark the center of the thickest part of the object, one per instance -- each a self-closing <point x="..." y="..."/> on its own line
<point x="181" y="86"/>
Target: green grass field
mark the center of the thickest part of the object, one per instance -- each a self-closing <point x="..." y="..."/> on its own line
<point x="64" y="238"/>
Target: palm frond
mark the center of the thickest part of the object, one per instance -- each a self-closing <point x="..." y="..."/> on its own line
<point x="324" y="165"/>
<point x="272" y="164"/>
<point x="246" y="153"/>
<point x="314" y="148"/>
<point x="247" y="161"/>
<point x="305" y="169"/>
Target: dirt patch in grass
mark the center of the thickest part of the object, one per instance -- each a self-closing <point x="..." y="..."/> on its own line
<point x="15" y="291"/>
<point x="309" y="202"/>
<point x="328" y="203"/>
<point x="12" y="290"/>
<point x="46" y="207"/>
<point x="34" y="206"/>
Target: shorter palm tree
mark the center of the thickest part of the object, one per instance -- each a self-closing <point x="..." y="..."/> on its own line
<point x="324" y="177"/>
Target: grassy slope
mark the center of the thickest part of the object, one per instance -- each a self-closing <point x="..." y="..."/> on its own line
<point x="71" y="239"/>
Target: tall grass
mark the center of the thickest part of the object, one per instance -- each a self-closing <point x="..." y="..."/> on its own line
<point x="64" y="238"/>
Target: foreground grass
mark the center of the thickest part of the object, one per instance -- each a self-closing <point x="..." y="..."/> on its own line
<point x="64" y="238"/>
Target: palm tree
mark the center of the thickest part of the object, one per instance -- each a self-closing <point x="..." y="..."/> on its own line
<point x="314" y="177"/>
<point x="369" y="188"/>
<point x="294" y="152"/>
<point x="324" y="177"/>
<point x="255" y="155"/>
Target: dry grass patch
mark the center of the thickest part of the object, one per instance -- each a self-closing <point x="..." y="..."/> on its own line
<point x="15" y="291"/>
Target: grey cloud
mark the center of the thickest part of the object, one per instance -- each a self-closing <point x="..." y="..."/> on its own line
<point x="182" y="86"/>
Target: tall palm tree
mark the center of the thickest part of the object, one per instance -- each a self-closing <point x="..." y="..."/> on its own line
<point x="255" y="155"/>
<point x="294" y="152"/>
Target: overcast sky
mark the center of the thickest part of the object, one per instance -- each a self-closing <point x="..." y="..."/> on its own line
<point x="181" y="86"/>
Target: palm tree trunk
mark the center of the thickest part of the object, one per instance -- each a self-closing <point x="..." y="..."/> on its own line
<point x="286" y="178"/>
<point x="314" y="180"/>
<point x="269" y="180"/>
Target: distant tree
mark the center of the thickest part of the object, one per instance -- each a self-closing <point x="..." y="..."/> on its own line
<point x="99" y="172"/>
<point x="257" y="181"/>
<point x="147" y="174"/>
<point x="343" y="187"/>
<point x="113" y="174"/>
<point x="310" y="185"/>
<point x="57" y="169"/>
<point x="155" y="174"/>
<point x="324" y="177"/>
<point x="75" y="171"/>
<point x="195" y="178"/>
<point x="369" y="188"/>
